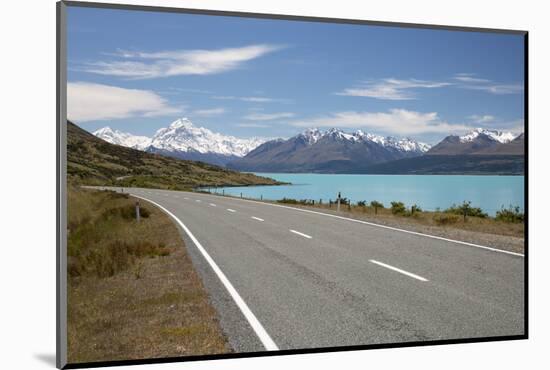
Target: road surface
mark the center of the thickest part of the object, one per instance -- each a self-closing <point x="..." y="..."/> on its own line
<point x="293" y="279"/>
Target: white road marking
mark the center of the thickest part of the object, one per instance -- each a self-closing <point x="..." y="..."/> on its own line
<point x="262" y="334"/>
<point x="212" y="204"/>
<point x="197" y="200"/>
<point x="301" y="234"/>
<point x="414" y="276"/>
<point x="257" y="218"/>
<point x="382" y="226"/>
<point x="185" y="198"/>
<point x="231" y="210"/>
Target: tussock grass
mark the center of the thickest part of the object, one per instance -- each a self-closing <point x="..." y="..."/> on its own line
<point x="132" y="290"/>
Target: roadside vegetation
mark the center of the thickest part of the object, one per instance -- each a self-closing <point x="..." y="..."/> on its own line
<point x="507" y="221"/>
<point x="132" y="290"/>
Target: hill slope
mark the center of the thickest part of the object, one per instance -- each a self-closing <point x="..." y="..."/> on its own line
<point x="93" y="161"/>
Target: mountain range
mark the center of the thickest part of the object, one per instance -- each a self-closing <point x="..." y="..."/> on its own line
<point x="333" y="151"/>
<point x="327" y="151"/>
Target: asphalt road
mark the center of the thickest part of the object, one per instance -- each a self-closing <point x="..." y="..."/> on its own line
<point x="312" y="280"/>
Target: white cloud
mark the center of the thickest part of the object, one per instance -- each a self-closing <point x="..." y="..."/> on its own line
<point x="142" y="65"/>
<point x="467" y="81"/>
<point x="250" y="99"/>
<point x="268" y="116"/>
<point x="391" y="89"/>
<point x="209" y="112"/>
<point x="395" y="121"/>
<point x="487" y="118"/>
<point x="93" y="102"/>
<point x="253" y="125"/>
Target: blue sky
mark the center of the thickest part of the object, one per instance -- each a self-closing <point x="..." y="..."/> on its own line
<point x="139" y="71"/>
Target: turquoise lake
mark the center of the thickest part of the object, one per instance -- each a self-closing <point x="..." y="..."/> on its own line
<point x="490" y="193"/>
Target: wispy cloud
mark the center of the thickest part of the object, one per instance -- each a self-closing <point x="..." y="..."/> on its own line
<point x="252" y="125"/>
<point x="209" y="112"/>
<point x="268" y="116"/>
<point x="468" y="81"/>
<point x="251" y="99"/>
<point x="397" y="89"/>
<point x="486" y="118"/>
<point x="91" y="102"/>
<point x="391" y="88"/>
<point x="394" y="121"/>
<point x="144" y="65"/>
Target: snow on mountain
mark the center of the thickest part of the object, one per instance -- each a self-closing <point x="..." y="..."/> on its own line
<point x="313" y="135"/>
<point x="501" y="137"/>
<point x="183" y="136"/>
<point x="123" y="138"/>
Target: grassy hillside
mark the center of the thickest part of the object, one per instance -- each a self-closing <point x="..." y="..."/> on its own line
<point x="93" y="161"/>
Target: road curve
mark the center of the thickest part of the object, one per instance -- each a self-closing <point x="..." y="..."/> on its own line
<point x="316" y="281"/>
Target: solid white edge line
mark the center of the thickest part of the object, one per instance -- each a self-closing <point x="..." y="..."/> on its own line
<point x="257" y="218"/>
<point x="262" y="334"/>
<point x="379" y="225"/>
<point x="399" y="270"/>
<point x="301" y="234"/>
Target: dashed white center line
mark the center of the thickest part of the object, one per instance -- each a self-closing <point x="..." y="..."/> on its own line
<point x="231" y="210"/>
<point x="414" y="276"/>
<point x="257" y="218"/>
<point x="185" y="198"/>
<point x="197" y="200"/>
<point x="212" y="204"/>
<point x="301" y="234"/>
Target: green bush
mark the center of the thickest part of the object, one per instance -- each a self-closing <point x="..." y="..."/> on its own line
<point x="466" y="209"/>
<point x="376" y="204"/>
<point x="510" y="214"/>
<point x="398" y="208"/>
<point x="295" y="201"/>
<point x="361" y="203"/>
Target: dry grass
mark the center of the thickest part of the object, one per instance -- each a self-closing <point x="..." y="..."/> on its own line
<point x="133" y="292"/>
<point x="431" y="219"/>
<point x="485" y="231"/>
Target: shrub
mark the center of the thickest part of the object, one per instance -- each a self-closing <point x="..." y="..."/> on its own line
<point x="465" y="209"/>
<point x="445" y="219"/>
<point x="361" y="203"/>
<point x="295" y="201"/>
<point x="510" y="214"/>
<point x="398" y="208"/>
<point x="415" y="209"/>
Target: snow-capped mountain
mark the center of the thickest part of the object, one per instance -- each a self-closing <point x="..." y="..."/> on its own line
<point x="185" y="141"/>
<point x="480" y="141"/>
<point x="333" y="150"/>
<point x="313" y="135"/>
<point x="501" y="137"/>
<point x="183" y="136"/>
<point x="123" y="138"/>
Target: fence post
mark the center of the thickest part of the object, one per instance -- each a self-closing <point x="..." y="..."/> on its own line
<point x="338" y="204"/>
<point x="223" y="192"/>
<point x="261" y="197"/>
<point x="138" y="216"/>
<point x="241" y="195"/>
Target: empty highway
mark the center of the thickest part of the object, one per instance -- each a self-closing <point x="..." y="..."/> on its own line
<point x="283" y="278"/>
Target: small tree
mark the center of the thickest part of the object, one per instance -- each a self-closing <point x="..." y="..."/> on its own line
<point x="376" y="204"/>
